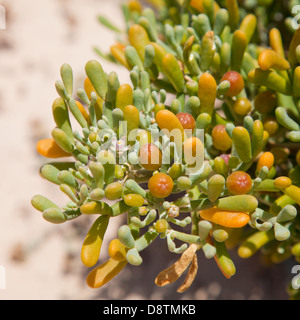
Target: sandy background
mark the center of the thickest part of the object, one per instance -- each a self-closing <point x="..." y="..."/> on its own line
<point x="42" y="261"/>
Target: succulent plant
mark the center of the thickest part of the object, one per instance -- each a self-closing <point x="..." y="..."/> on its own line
<point x="206" y="135"/>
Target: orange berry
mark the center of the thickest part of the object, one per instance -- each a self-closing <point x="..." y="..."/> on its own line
<point x="167" y="120"/>
<point x="198" y="5"/>
<point x="160" y="185"/>
<point x="266" y="160"/>
<point x="236" y="83"/>
<point x="150" y="157"/>
<point x="120" y="45"/>
<point x="239" y="182"/>
<point x="187" y="120"/>
<point x="135" y="6"/>
<point x="50" y="149"/>
<point x="124" y="96"/>
<point x="282" y="182"/>
<point x="229" y="219"/>
<point x="271" y="126"/>
<point x="242" y="106"/>
<point x="220" y="138"/>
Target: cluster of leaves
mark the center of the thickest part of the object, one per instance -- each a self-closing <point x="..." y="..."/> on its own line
<point x="216" y="66"/>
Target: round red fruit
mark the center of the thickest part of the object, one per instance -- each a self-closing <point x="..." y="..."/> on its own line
<point x="237" y="83"/>
<point x="160" y="185"/>
<point x="239" y="182"/>
<point x="187" y="120"/>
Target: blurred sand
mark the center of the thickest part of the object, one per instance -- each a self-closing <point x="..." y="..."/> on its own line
<point x="42" y="261"/>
